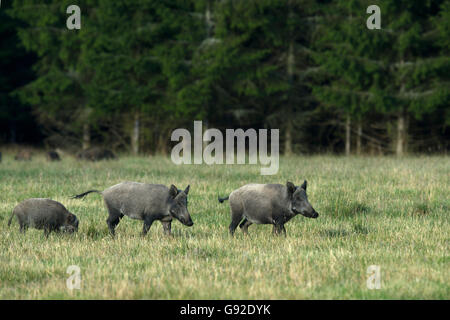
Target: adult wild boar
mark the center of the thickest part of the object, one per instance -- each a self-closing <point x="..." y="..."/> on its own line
<point x="53" y="155"/>
<point x="44" y="214"/>
<point x="147" y="202"/>
<point x="268" y="204"/>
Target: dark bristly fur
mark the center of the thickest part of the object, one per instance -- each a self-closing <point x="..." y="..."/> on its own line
<point x="147" y="202"/>
<point x="268" y="204"/>
<point x="44" y="214"/>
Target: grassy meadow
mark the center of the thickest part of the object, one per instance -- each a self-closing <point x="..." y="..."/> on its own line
<point x="394" y="213"/>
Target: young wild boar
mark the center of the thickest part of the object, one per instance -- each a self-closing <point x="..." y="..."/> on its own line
<point x="147" y="202"/>
<point x="268" y="204"/>
<point x="44" y="214"/>
<point x="23" y="155"/>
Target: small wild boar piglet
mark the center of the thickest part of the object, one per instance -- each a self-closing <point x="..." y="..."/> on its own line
<point x="268" y="204"/>
<point x="148" y="202"/>
<point x="44" y="214"/>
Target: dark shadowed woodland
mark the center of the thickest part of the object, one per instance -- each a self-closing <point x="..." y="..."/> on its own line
<point x="137" y="70"/>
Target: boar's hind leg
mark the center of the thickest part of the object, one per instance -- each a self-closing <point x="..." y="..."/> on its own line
<point x="235" y="219"/>
<point x="244" y="225"/>
<point x="113" y="220"/>
<point x="236" y="216"/>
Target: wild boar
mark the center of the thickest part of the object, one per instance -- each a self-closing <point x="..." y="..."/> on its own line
<point x="96" y="154"/>
<point x="23" y="155"/>
<point x="53" y="155"/>
<point x="147" y="202"/>
<point x="268" y="204"/>
<point x="44" y="214"/>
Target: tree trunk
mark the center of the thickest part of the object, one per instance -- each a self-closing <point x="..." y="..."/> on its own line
<point x="401" y="126"/>
<point x="86" y="136"/>
<point x="208" y="21"/>
<point x="372" y="149"/>
<point x="401" y="134"/>
<point x="290" y="67"/>
<point x="12" y="131"/>
<point x="406" y="138"/>
<point x="288" y="140"/>
<point x="347" y="135"/>
<point x="358" y="138"/>
<point x="291" y="62"/>
<point x="135" y="134"/>
<point x="162" y="146"/>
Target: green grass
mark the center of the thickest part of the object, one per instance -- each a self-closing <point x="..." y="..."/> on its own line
<point x="373" y="211"/>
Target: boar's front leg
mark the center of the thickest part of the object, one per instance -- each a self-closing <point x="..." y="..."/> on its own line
<point x="23" y="227"/>
<point x="236" y="216"/>
<point x="283" y="229"/>
<point x="47" y="231"/>
<point x="112" y="223"/>
<point x="278" y="229"/>
<point x="167" y="225"/>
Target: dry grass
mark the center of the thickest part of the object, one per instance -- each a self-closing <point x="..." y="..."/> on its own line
<point x="373" y="211"/>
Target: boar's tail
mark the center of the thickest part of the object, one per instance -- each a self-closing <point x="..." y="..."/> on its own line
<point x="10" y="218"/>
<point x="82" y="195"/>
<point x="221" y="200"/>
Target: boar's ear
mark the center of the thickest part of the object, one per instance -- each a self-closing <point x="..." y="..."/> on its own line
<point x="304" y="185"/>
<point x="290" y="187"/>
<point x="173" y="191"/>
<point x="186" y="191"/>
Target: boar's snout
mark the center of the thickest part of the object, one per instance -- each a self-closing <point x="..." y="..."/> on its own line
<point x="311" y="214"/>
<point x="71" y="224"/>
<point x="71" y="229"/>
<point x="183" y="217"/>
<point x="187" y="220"/>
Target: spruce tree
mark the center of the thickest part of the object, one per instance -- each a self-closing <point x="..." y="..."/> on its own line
<point x="400" y="71"/>
<point x="58" y="93"/>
